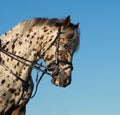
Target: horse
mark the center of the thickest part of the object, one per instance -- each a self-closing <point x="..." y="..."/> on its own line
<point x="53" y="40"/>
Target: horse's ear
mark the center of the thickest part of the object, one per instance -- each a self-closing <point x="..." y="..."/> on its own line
<point x="66" y="22"/>
<point x="76" y="25"/>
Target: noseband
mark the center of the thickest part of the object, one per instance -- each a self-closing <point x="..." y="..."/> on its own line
<point x="40" y="67"/>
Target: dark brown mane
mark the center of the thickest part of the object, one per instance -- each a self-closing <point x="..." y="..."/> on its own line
<point x="51" y="22"/>
<point x="40" y="21"/>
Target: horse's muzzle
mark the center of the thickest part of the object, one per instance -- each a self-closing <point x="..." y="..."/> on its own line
<point x="62" y="80"/>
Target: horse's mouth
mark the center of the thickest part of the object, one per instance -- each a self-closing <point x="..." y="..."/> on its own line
<point x="61" y="84"/>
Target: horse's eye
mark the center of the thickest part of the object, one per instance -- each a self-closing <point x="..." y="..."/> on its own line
<point x="65" y="46"/>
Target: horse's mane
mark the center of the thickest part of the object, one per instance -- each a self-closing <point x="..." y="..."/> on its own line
<point x="41" y="21"/>
<point x="27" y="24"/>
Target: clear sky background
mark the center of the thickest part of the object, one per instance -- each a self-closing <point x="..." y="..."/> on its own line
<point x="95" y="88"/>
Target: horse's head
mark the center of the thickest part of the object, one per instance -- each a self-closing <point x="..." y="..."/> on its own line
<point x="60" y="53"/>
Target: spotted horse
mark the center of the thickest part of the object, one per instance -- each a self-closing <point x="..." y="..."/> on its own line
<point x="53" y="40"/>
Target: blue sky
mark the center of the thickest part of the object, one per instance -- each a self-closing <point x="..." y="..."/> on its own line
<point x="95" y="88"/>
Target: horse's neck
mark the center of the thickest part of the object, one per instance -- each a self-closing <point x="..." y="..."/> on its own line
<point x="29" y="45"/>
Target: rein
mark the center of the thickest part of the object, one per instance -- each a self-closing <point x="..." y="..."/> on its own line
<point x="40" y="67"/>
